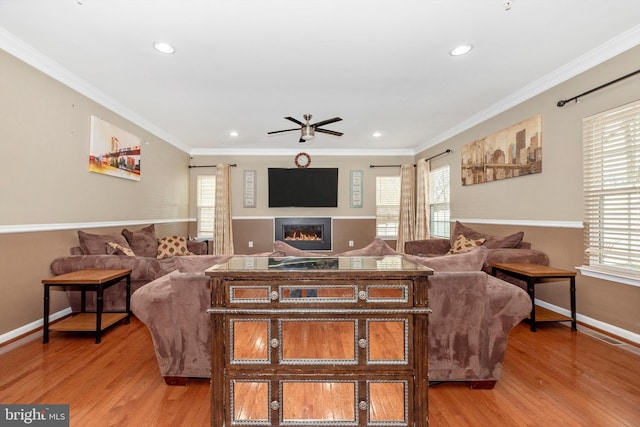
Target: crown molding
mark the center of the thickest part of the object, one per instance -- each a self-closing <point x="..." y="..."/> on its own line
<point x="46" y="65"/>
<point x="293" y="151"/>
<point x="619" y="44"/>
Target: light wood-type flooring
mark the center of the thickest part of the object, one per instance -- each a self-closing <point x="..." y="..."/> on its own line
<point x="554" y="377"/>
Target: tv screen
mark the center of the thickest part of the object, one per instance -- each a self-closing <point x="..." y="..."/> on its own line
<point x="308" y="188"/>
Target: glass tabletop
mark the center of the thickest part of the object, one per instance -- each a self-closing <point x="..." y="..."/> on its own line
<point x="338" y="264"/>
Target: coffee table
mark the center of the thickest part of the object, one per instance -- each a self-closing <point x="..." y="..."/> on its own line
<point x="87" y="280"/>
<point x="532" y="273"/>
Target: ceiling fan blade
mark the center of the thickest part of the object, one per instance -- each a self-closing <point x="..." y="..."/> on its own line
<point x="296" y="121"/>
<point x="330" y="132"/>
<point x="326" y="122"/>
<point x="280" y="131"/>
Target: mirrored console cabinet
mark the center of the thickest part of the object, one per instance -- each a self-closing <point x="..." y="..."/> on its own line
<point x="319" y="342"/>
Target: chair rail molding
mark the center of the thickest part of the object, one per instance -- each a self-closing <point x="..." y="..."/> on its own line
<point x="34" y="228"/>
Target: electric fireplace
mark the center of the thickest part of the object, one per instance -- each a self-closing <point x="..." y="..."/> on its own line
<point x="304" y="233"/>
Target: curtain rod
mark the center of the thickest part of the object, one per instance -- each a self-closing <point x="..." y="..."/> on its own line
<point x="448" y="150"/>
<point x="562" y="102"/>
<point x="210" y="166"/>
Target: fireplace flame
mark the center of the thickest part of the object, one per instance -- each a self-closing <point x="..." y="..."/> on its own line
<point x="302" y="236"/>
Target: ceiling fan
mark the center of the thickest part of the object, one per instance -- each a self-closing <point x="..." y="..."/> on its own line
<point x="308" y="130"/>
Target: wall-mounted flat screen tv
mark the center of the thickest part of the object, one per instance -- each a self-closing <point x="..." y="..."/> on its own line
<point x="303" y="188"/>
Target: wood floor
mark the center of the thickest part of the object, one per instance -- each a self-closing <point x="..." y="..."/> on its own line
<point x="553" y="377"/>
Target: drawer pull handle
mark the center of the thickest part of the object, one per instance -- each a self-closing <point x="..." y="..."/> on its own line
<point x="363" y="406"/>
<point x="362" y="343"/>
<point x="275" y="405"/>
<point x="362" y="295"/>
<point x="274" y="295"/>
<point x="275" y="343"/>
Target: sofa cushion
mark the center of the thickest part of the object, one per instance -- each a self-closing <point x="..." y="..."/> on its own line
<point x="469" y="261"/>
<point x="491" y="242"/>
<point x="172" y="246"/>
<point x="463" y="245"/>
<point x="377" y="247"/>
<point x="143" y="242"/>
<point x="285" y="249"/>
<point x="97" y="244"/>
<point x="198" y="263"/>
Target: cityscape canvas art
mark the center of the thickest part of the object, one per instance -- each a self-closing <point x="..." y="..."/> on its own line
<point x="113" y="151"/>
<point x="509" y="153"/>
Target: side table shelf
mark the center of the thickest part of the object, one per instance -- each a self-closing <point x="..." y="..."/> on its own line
<point x="87" y="280"/>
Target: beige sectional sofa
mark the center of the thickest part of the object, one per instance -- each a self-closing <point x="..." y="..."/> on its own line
<point x="473" y="314"/>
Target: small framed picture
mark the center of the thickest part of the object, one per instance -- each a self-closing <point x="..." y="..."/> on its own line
<point x="249" y="196"/>
<point x="356" y="188"/>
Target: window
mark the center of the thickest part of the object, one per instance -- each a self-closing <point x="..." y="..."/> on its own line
<point x="205" y="204"/>
<point x="387" y="206"/>
<point x="612" y="190"/>
<point x="439" y="211"/>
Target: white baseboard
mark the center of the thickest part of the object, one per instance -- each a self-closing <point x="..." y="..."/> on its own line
<point x="614" y="330"/>
<point x="26" y="329"/>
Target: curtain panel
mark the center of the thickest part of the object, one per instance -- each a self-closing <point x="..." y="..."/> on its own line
<point x="223" y="232"/>
<point x="406" y="224"/>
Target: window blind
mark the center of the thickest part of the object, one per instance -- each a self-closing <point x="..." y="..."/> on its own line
<point x="387" y="206"/>
<point x="205" y="204"/>
<point x="612" y="189"/>
<point x="439" y="202"/>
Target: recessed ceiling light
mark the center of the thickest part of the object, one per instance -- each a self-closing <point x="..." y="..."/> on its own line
<point x="164" y="47"/>
<point x="377" y="134"/>
<point x="233" y="133"/>
<point x="461" y="50"/>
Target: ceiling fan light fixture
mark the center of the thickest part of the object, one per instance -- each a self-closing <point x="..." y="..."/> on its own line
<point x="307" y="133"/>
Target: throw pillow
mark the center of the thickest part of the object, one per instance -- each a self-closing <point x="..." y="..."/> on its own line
<point x="377" y="247"/>
<point x="288" y="250"/>
<point x="172" y="246"/>
<point x="462" y="245"/>
<point x="97" y="244"/>
<point x="120" y="250"/>
<point x="491" y="242"/>
<point x="469" y="261"/>
<point x="143" y="242"/>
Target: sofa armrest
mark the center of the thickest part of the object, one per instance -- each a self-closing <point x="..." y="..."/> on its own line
<point x="428" y="247"/>
<point x="142" y="268"/>
<point x="197" y="247"/>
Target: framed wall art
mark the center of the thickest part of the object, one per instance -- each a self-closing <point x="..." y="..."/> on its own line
<point x="249" y="192"/>
<point x="356" y="188"/>
<point x="113" y="151"/>
<point x="509" y="153"/>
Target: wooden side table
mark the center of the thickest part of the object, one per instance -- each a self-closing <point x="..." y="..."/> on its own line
<point x="531" y="273"/>
<point x="92" y="280"/>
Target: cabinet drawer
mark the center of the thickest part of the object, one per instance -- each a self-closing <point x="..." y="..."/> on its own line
<point x="326" y="293"/>
<point x="320" y="341"/>
<point x="335" y="401"/>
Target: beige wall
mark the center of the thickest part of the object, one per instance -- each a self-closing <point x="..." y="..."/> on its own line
<point x="553" y="198"/>
<point x="256" y="224"/>
<point x="44" y="179"/>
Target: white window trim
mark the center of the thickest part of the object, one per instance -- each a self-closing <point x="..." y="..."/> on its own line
<point x="611" y="276"/>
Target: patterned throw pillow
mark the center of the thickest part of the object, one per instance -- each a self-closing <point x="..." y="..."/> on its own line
<point x="462" y="244"/>
<point x="120" y="250"/>
<point x="172" y="246"/>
